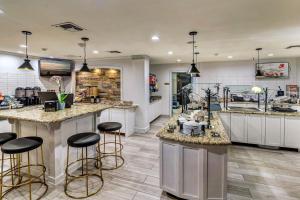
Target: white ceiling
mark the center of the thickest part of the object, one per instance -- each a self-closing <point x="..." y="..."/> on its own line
<point x="226" y="27"/>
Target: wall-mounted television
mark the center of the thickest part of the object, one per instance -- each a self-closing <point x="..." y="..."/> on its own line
<point x="55" y="67"/>
<point x="272" y="70"/>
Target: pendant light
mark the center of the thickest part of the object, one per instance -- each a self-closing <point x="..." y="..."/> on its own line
<point x="258" y="70"/>
<point x="197" y="53"/>
<point x="84" y="67"/>
<point x="26" y="65"/>
<point x="193" y="69"/>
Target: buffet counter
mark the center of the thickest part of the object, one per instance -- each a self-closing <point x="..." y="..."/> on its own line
<point x="274" y="129"/>
<point x="207" y="139"/>
<point x="56" y="127"/>
<point x="194" y="167"/>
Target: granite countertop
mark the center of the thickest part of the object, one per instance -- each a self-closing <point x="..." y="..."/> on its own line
<point x="37" y="114"/>
<point x="296" y="114"/>
<point x="207" y="139"/>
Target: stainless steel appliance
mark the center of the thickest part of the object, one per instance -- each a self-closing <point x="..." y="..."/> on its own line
<point x="19" y="92"/>
<point x="29" y="96"/>
<point x="36" y="99"/>
<point x="20" y="95"/>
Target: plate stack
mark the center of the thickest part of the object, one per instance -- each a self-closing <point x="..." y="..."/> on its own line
<point x="191" y="128"/>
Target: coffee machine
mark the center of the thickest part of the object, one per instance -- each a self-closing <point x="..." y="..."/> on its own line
<point x="36" y="99"/>
<point x="28" y="96"/>
<point x="20" y="95"/>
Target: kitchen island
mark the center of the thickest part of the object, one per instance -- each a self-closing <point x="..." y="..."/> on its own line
<point x="55" y="128"/>
<point x="194" y="167"/>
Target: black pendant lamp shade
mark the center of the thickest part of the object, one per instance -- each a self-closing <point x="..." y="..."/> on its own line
<point x="85" y="67"/>
<point x="197" y="74"/>
<point x="193" y="69"/>
<point x="26" y="65"/>
<point x="258" y="70"/>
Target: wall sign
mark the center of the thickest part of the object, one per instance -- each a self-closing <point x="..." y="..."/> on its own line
<point x="272" y="70"/>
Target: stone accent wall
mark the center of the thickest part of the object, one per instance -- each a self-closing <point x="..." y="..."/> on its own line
<point x="103" y="82"/>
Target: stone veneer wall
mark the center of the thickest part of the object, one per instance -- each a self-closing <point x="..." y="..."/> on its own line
<point x="103" y="82"/>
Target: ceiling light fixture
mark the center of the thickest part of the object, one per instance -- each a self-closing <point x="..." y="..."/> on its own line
<point x="1" y="12"/>
<point x="23" y="46"/>
<point x="258" y="71"/>
<point x="270" y="54"/>
<point x="178" y="60"/>
<point x="84" y="67"/>
<point x="197" y="53"/>
<point x="170" y="52"/>
<point x="193" y="69"/>
<point x="26" y="65"/>
<point x="229" y="57"/>
<point x="155" y="38"/>
<point x="95" y="52"/>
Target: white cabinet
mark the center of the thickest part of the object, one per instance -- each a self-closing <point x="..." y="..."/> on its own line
<point x="118" y="115"/>
<point x="168" y="167"/>
<point x="238" y="128"/>
<point x="292" y="133"/>
<point x="274" y="130"/>
<point x="124" y="116"/>
<point x="225" y="118"/>
<point x="263" y="129"/>
<point x="155" y="109"/>
<point x="194" y="172"/>
<point x="105" y="116"/>
<point x="255" y="129"/>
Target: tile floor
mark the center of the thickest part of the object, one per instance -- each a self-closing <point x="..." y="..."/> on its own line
<point x="252" y="173"/>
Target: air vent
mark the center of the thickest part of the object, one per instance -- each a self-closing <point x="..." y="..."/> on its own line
<point x="293" y="46"/>
<point x="69" y="26"/>
<point x="116" y="52"/>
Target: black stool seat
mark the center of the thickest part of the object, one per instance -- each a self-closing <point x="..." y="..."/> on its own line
<point x="83" y="139"/>
<point x="109" y="126"/>
<point x="21" y="145"/>
<point x="7" y="136"/>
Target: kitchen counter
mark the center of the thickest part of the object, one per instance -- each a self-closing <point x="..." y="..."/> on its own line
<point x="56" y="127"/>
<point x="37" y="114"/>
<point x="296" y="114"/>
<point x="207" y="139"/>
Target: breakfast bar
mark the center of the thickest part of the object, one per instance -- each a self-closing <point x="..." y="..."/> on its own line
<point x="55" y="128"/>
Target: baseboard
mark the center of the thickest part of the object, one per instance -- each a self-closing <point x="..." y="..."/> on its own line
<point x="142" y="130"/>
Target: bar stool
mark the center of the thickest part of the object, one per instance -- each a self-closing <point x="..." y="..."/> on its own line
<point x="5" y="137"/>
<point x="17" y="147"/>
<point x="112" y="128"/>
<point x="83" y="141"/>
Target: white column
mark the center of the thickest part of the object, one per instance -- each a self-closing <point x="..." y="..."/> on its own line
<point x="140" y="91"/>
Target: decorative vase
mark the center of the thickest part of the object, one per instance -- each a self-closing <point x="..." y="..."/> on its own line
<point x="62" y="106"/>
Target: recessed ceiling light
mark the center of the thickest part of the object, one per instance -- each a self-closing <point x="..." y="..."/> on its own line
<point x="155" y="38"/>
<point x="271" y="54"/>
<point x="229" y="57"/>
<point x="20" y="52"/>
<point x="170" y="52"/>
<point x="23" y="46"/>
<point x="1" y="12"/>
<point x="178" y="60"/>
<point x="95" y="52"/>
